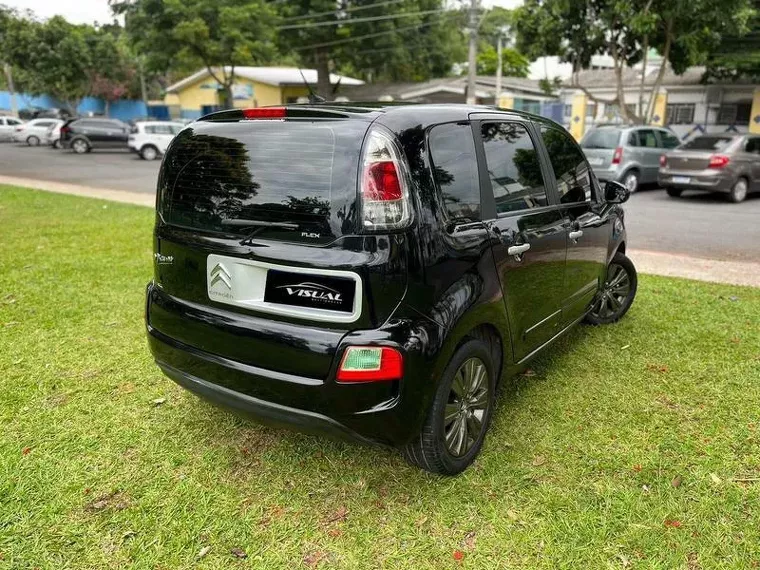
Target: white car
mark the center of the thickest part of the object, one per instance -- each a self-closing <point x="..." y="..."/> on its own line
<point x="150" y="139"/>
<point x="34" y="131"/>
<point x="8" y="127"/>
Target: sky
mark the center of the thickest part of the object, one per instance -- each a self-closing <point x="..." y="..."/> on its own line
<point x="90" y="11"/>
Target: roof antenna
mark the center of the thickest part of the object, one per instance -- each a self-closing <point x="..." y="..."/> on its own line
<point x="313" y="97"/>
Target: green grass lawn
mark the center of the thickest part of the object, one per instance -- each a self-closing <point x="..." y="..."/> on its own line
<point x="630" y="446"/>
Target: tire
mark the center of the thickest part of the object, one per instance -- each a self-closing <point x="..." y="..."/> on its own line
<point x="80" y="146"/>
<point x="674" y="192"/>
<point x="56" y="144"/>
<point x="631" y="180"/>
<point x="33" y="140"/>
<point x="429" y="450"/>
<point x="616" y="297"/>
<point x="738" y="191"/>
<point x="149" y="152"/>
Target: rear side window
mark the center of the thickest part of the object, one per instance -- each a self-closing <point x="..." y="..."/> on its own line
<point x="455" y="169"/>
<point x="158" y="130"/>
<point x="647" y="138"/>
<point x="752" y="145"/>
<point x="570" y="167"/>
<point x="669" y="140"/>
<point x="513" y="167"/>
<point x="298" y="175"/>
<point x="601" y="138"/>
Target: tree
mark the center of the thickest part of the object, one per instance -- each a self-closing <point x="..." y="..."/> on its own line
<point x="683" y="32"/>
<point x="219" y="35"/>
<point x="737" y="56"/>
<point x="513" y="63"/>
<point x="407" y="40"/>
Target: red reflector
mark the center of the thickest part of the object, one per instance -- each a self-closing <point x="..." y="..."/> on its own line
<point x="718" y="161"/>
<point x="663" y="160"/>
<point x="370" y="364"/>
<point x="264" y="113"/>
<point x="381" y="182"/>
<point x="617" y="158"/>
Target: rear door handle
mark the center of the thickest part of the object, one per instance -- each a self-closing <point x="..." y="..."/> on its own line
<point x="518" y="250"/>
<point x="575" y="235"/>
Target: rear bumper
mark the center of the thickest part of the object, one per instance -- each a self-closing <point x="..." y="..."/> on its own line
<point x="388" y="413"/>
<point x="607" y="174"/>
<point x="710" y="182"/>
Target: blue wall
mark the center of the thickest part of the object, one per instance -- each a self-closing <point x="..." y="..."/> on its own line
<point x="122" y="109"/>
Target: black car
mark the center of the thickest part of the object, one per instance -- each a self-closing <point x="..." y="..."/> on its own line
<point x="372" y="273"/>
<point x="83" y="135"/>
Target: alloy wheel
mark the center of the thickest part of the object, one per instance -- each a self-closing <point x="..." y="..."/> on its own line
<point x="466" y="409"/>
<point x="739" y="191"/>
<point x="614" y="294"/>
<point x="631" y="182"/>
<point x="79" y="146"/>
<point x="149" y="153"/>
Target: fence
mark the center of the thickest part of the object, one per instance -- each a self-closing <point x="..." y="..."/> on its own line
<point x="122" y="109"/>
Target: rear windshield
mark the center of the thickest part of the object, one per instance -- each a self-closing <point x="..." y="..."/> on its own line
<point x="708" y="143"/>
<point x="601" y="138"/>
<point x="297" y="179"/>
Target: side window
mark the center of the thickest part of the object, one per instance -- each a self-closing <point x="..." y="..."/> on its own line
<point x="513" y="167"/>
<point x="570" y="167"/>
<point x="633" y="138"/>
<point x="647" y="138"/>
<point x="176" y="129"/>
<point x="669" y="140"/>
<point x="163" y="130"/>
<point x="752" y="145"/>
<point x="455" y="169"/>
<point x="150" y="130"/>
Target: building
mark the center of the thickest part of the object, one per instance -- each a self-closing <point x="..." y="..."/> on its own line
<point x="516" y="92"/>
<point x="199" y="93"/>
<point x="684" y="103"/>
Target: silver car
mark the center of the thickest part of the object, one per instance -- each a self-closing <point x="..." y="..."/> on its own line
<point x="630" y="155"/>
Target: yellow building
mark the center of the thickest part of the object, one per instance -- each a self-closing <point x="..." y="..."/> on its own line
<point x="199" y="93"/>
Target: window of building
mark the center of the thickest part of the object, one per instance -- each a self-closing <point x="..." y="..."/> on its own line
<point x="734" y="113"/>
<point x="679" y="114"/>
<point x="513" y="167"/>
<point x="568" y="111"/>
<point x="455" y="168"/>
<point x="570" y="167"/>
<point x="591" y="110"/>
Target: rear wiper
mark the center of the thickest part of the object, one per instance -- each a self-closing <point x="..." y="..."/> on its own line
<point x="259" y="225"/>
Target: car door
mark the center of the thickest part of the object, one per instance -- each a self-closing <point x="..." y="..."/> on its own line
<point x="164" y="136"/>
<point x="526" y="223"/>
<point x="114" y="134"/>
<point x="752" y="151"/>
<point x="588" y="229"/>
<point x="4" y="130"/>
<point x="649" y="150"/>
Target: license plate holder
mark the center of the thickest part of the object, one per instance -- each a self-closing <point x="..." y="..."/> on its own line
<point x="681" y="179"/>
<point x="596" y="161"/>
<point x="328" y="293"/>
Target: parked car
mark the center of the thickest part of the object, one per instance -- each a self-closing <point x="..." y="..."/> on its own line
<point x="35" y="131"/>
<point x="630" y="155"/>
<point x="150" y="139"/>
<point x="83" y="135"/>
<point x="8" y="127"/>
<point x="53" y="134"/>
<point x="372" y="273"/>
<point x="724" y="163"/>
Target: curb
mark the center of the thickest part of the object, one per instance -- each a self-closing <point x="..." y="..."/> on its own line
<point x="651" y="262"/>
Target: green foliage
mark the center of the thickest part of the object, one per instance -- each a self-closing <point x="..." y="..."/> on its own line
<point x="193" y="33"/>
<point x="737" y="56"/>
<point x="513" y="63"/>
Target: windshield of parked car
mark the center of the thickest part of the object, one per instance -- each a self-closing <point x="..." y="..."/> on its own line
<point x="708" y="143"/>
<point x="601" y="138"/>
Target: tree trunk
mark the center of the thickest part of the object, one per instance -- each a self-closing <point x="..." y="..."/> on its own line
<point x="227" y="102"/>
<point x="643" y="78"/>
<point x="323" y="74"/>
<point x="618" y="66"/>
<point x="660" y="72"/>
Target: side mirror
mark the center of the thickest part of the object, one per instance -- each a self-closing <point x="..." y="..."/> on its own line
<point x="616" y="193"/>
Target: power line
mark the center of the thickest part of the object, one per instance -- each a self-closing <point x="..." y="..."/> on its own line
<point x="333" y="12"/>
<point x="360" y="20"/>
<point x="367" y="36"/>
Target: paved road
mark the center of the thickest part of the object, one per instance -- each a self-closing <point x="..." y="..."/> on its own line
<point x="697" y="224"/>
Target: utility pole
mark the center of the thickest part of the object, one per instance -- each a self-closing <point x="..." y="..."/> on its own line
<point x="498" y="71"/>
<point x="473" y="54"/>
<point x="11" y="90"/>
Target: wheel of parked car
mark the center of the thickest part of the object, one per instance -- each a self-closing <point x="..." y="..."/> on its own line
<point x="80" y="146"/>
<point x="57" y="143"/>
<point x="149" y="152"/>
<point x="738" y="191"/>
<point x="460" y="413"/>
<point x="617" y="294"/>
<point x="32" y="140"/>
<point x="631" y="181"/>
<point x="674" y="192"/>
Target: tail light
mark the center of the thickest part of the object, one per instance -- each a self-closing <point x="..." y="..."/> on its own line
<point x="384" y="189"/>
<point x="370" y="364"/>
<point x="19" y="129"/>
<point x="663" y="161"/>
<point x="718" y="161"/>
<point x="65" y="129"/>
<point x="264" y="113"/>
<point x="617" y="157"/>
